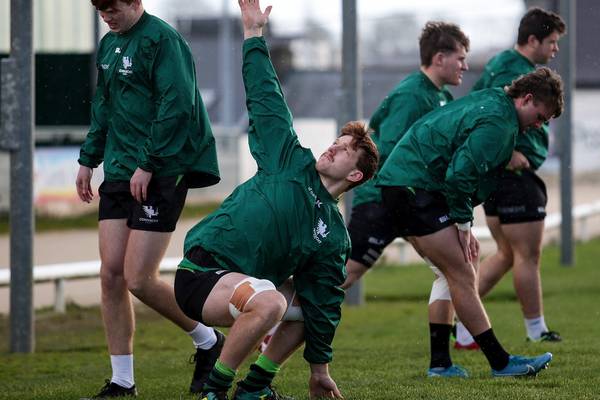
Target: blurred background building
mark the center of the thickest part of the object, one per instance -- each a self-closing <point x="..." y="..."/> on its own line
<point x="305" y="43"/>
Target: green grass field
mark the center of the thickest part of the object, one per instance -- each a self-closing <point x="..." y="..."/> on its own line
<point x="381" y="349"/>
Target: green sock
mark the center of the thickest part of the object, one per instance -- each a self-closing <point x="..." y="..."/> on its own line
<point x="220" y="378"/>
<point x="261" y="374"/>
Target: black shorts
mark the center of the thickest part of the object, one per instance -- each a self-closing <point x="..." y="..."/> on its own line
<point x="193" y="287"/>
<point x="520" y="197"/>
<point x="371" y="229"/>
<point x="416" y="212"/>
<point x="160" y="211"/>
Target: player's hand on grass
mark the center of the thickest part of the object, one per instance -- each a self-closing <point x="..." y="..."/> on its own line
<point x="253" y="19"/>
<point x="320" y="385"/>
<point x="83" y="183"/>
<point x="517" y="162"/>
<point x="138" y="184"/>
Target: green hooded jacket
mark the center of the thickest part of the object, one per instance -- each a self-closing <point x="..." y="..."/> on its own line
<point x="500" y="71"/>
<point x="147" y="111"/>
<point x="458" y="150"/>
<point x="282" y="221"/>
<point x="414" y="97"/>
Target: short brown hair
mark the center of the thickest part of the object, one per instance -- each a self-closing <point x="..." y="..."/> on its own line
<point x="544" y="84"/>
<point x="105" y="4"/>
<point x="439" y="36"/>
<point x="368" y="158"/>
<point x="539" y="23"/>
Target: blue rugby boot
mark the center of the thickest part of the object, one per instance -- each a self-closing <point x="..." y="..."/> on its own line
<point x="453" y="371"/>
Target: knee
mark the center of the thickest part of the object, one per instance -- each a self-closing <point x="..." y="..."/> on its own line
<point x="505" y="256"/>
<point x="270" y="306"/>
<point x="531" y="257"/>
<point x="466" y="279"/>
<point x="111" y="275"/>
<point x="137" y="286"/>
<point x="259" y="297"/>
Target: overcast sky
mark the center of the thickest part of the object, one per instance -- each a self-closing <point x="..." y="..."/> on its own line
<point x="486" y="22"/>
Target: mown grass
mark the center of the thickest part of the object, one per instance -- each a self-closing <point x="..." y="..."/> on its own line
<point x="381" y="349"/>
<point x="44" y="223"/>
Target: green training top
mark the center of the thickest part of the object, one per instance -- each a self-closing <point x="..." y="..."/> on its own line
<point x="500" y="71"/>
<point x="147" y="111"/>
<point x="458" y="150"/>
<point x="414" y="97"/>
<point x="282" y="221"/>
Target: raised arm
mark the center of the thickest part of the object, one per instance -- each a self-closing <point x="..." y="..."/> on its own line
<point x="253" y="19"/>
<point x="273" y="142"/>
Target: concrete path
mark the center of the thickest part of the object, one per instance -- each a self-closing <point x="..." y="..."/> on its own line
<point x="70" y="246"/>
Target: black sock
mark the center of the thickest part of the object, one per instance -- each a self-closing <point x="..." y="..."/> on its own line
<point x="439" y="337"/>
<point x="256" y="379"/>
<point x="493" y="350"/>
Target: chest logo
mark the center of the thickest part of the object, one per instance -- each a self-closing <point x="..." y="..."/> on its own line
<point x="127" y="65"/>
<point x="118" y="50"/>
<point x="320" y="231"/>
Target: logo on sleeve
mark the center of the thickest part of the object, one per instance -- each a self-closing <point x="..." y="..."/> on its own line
<point x="320" y="230"/>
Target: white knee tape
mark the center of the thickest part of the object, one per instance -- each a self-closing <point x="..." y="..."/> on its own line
<point x="439" y="289"/>
<point x="294" y="311"/>
<point x="245" y="291"/>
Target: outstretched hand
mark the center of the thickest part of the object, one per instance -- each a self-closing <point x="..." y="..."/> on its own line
<point x="321" y="386"/>
<point x="253" y="18"/>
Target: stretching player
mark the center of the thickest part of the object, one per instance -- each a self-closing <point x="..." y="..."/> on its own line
<point x="515" y="212"/>
<point x="284" y="221"/>
<point x="447" y="163"/>
<point x="443" y="48"/>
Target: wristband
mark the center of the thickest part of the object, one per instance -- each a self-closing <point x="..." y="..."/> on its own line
<point x="465" y="226"/>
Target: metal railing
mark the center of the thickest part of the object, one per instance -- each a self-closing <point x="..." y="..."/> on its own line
<point x="59" y="273"/>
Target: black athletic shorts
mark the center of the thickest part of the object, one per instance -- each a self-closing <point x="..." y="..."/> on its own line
<point x="160" y="211"/>
<point x="520" y="197"/>
<point x="193" y="287"/>
<point x="371" y="229"/>
<point x="416" y="212"/>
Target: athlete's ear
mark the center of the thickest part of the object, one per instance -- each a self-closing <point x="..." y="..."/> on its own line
<point x="437" y="59"/>
<point x="354" y="176"/>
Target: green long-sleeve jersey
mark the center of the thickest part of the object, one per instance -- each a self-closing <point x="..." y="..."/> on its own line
<point x="500" y="71"/>
<point x="147" y="111"/>
<point x="458" y="150"/>
<point x="412" y="98"/>
<point x="282" y="221"/>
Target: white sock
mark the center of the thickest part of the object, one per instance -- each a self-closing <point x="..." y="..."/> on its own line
<point x="462" y="334"/>
<point x="122" y="370"/>
<point x="203" y="336"/>
<point x="535" y="327"/>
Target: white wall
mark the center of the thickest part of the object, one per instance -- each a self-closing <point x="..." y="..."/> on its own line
<point x="60" y="26"/>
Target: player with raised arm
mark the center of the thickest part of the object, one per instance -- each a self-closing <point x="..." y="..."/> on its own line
<point x="282" y="222"/>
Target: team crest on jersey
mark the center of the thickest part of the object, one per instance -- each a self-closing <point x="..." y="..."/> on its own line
<point x="320" y="231"/>
<point x="127" y="65"/>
